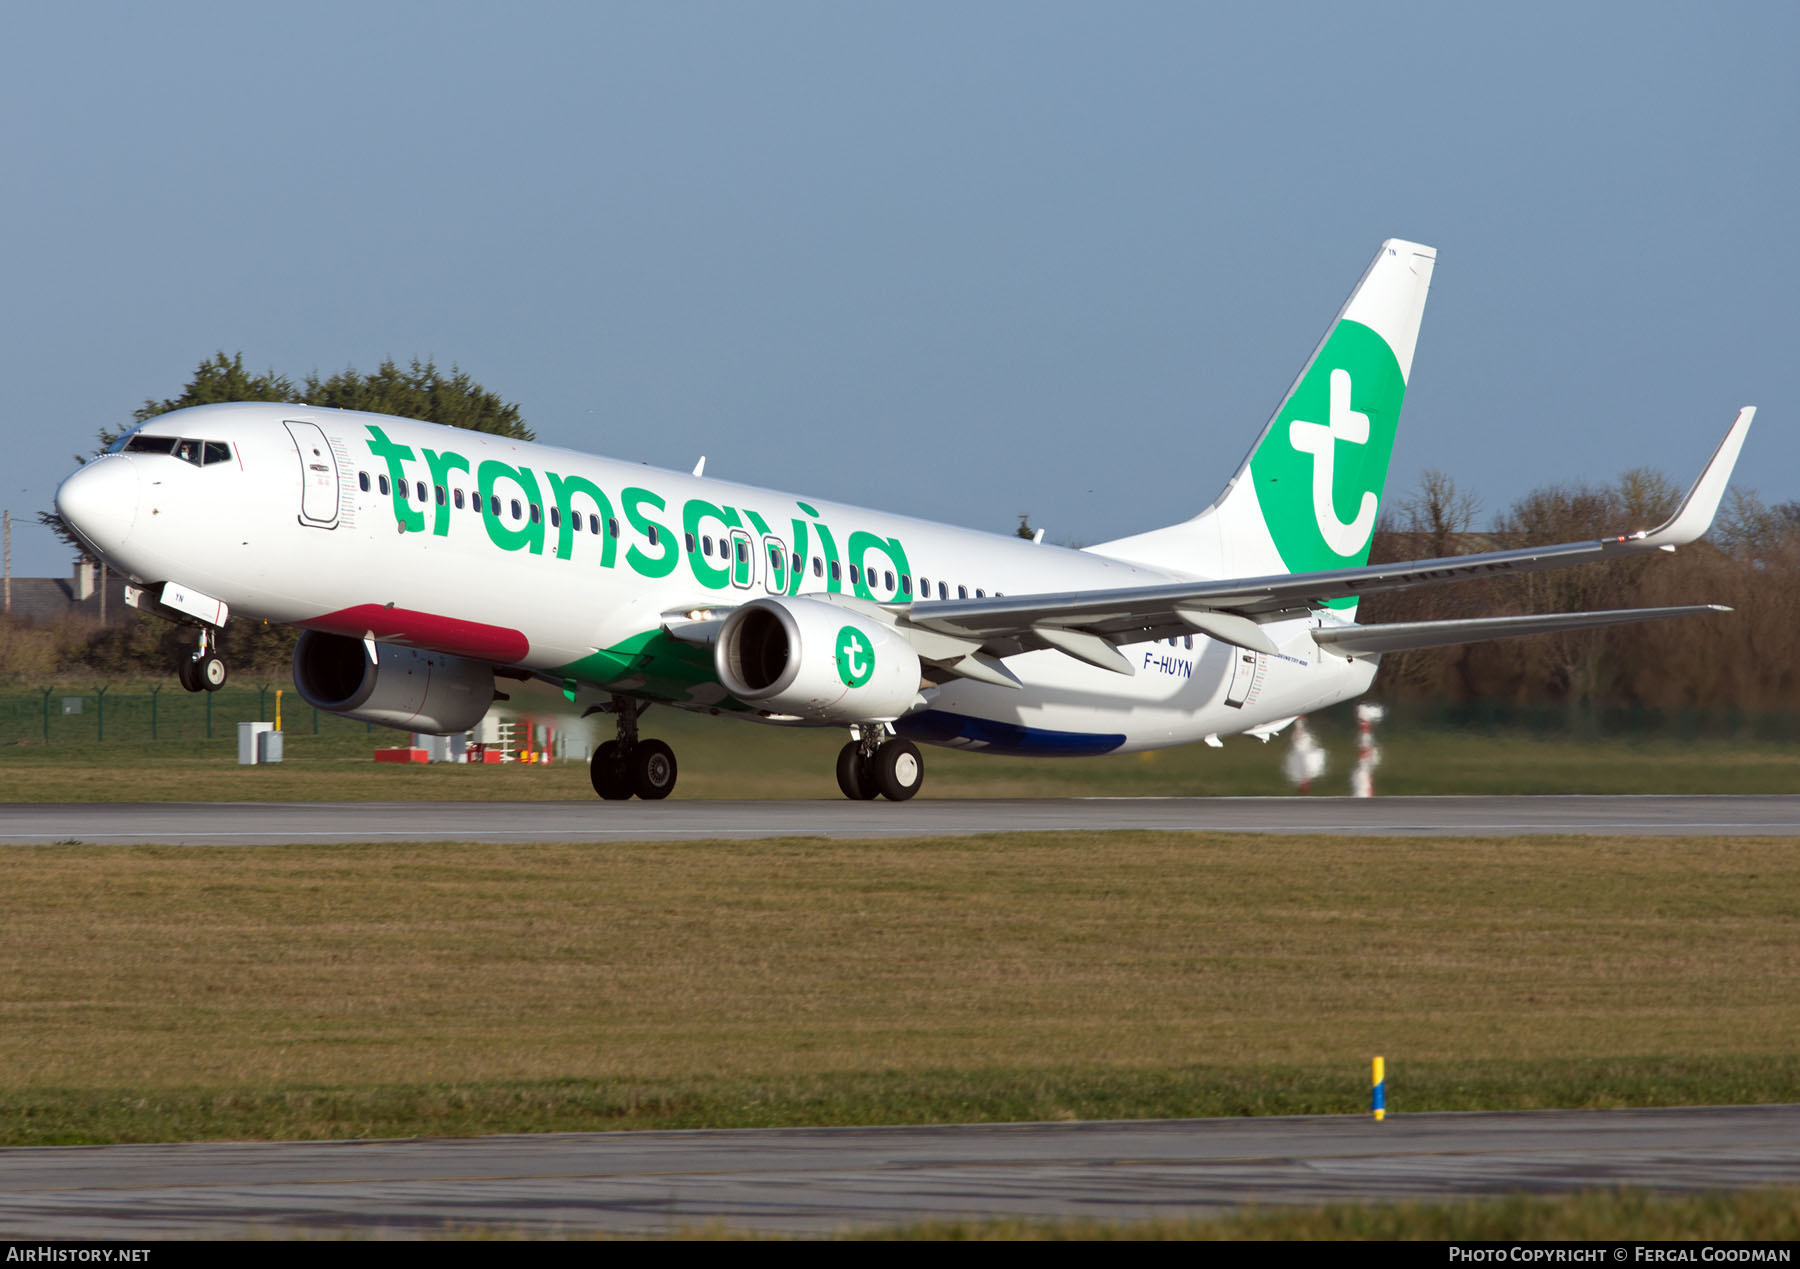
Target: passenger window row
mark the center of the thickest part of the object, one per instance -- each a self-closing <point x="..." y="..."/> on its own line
<point x="962" y="592"/>
<point x="519" y="510"/>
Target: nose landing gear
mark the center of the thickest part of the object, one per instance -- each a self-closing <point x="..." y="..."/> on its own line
<point x="877" y="763"/>
<point x="205" y="670"/>
<point x="627" y="766"/>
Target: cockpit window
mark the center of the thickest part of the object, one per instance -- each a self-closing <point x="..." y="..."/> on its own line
<point x="186" y="449"/>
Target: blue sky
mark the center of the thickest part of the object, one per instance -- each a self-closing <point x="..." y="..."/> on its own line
<point x="959" y="260"/>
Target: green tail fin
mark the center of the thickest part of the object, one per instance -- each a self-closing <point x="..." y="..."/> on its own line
<point x="1307" y="496"/>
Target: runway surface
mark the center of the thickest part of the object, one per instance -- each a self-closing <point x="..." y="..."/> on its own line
<point x="819" y="1180"/>
<point x="277" y="823"/>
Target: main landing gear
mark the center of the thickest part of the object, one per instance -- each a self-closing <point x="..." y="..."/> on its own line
<point x="204" y="671"/>
<point x="878" y="763"/>
<point x="627" y="766"/>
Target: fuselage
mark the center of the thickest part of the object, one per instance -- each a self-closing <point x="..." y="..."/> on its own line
<point x="570" y="566"/>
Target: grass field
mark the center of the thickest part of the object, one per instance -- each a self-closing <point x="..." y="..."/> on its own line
<point x="728" y="758"/>
<point x="385" y="990"/>
<point x="1771" y="1215"/>
<point x="1768" y="1215"/>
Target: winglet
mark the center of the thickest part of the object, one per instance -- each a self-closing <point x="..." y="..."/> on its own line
<point x="1695" y="514"/>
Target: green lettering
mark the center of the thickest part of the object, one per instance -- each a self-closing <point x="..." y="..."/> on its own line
<point x="797" y="577"/>
<point x="526" y="535"/>
<point x="564" y="489"/>
<point x="410" y="521"/>
<point x="834" y="582"/>
<point x="642" y="564"/>
<point x="827" y="548"/>
<point x="693" y="512"/>
<point x="441" y="466"/>
<point x="743" y="559"/>
<point x="860" y="544"/>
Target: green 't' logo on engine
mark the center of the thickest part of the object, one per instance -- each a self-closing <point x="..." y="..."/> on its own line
<point x="1319" y="472"/>
<point x="855" y="657"/>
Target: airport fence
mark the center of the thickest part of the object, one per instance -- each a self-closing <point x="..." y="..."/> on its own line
<point x="138" y="713"/>
<point x="1563" y="721"/>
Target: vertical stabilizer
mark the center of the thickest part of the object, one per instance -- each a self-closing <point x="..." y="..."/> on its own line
<point x="1307" y="495"/>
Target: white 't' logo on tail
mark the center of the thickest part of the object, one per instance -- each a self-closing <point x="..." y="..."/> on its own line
<point x="1320" y="440"/>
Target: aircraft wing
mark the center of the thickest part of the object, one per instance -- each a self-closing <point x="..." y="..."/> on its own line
<point x="1088" y="624"/>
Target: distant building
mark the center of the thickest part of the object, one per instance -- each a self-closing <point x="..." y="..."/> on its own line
<point x="81" y="594"/>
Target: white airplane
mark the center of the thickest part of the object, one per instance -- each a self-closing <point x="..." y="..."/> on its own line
<point x="422" y="562"/>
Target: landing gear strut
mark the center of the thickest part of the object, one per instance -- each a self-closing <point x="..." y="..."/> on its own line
<point x="204" y="671"/>
<point x="627" y="766"/>
<point x="877" y="763"/>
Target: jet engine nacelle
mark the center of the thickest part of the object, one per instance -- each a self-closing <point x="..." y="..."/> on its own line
<point x="401" y="687"/>
<point x="816" y="661"/>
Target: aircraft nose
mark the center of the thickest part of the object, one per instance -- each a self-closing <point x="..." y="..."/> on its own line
<point x="100" y="502"/>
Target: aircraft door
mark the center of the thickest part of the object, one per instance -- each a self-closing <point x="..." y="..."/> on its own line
<point x="743" y="560"/>
<point x="775" y="577"/>
<point x="318" y="475"/>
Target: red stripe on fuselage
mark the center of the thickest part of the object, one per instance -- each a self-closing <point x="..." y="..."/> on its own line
<point x="459" y="638"/>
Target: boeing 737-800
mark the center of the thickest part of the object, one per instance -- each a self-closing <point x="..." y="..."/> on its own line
<point x="422" y="561"/>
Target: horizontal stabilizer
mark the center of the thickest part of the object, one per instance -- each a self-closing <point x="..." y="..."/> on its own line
<point x="1408" y="636"/>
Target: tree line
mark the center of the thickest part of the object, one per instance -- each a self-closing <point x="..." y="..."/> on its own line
<point x="1750" y="561"/>
<point x="421" y="391"/>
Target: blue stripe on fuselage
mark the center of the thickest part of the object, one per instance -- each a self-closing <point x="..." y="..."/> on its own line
<point x="939" y="727"/>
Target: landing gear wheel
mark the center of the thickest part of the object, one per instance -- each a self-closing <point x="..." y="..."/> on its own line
<point x="210" y="672"/>
<point x="187" y="673"/>
<point x="899" y="770"/>
<point x="652" y="770"/>
<point x="853" y="775"/>
<point x="608" y="772"/>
